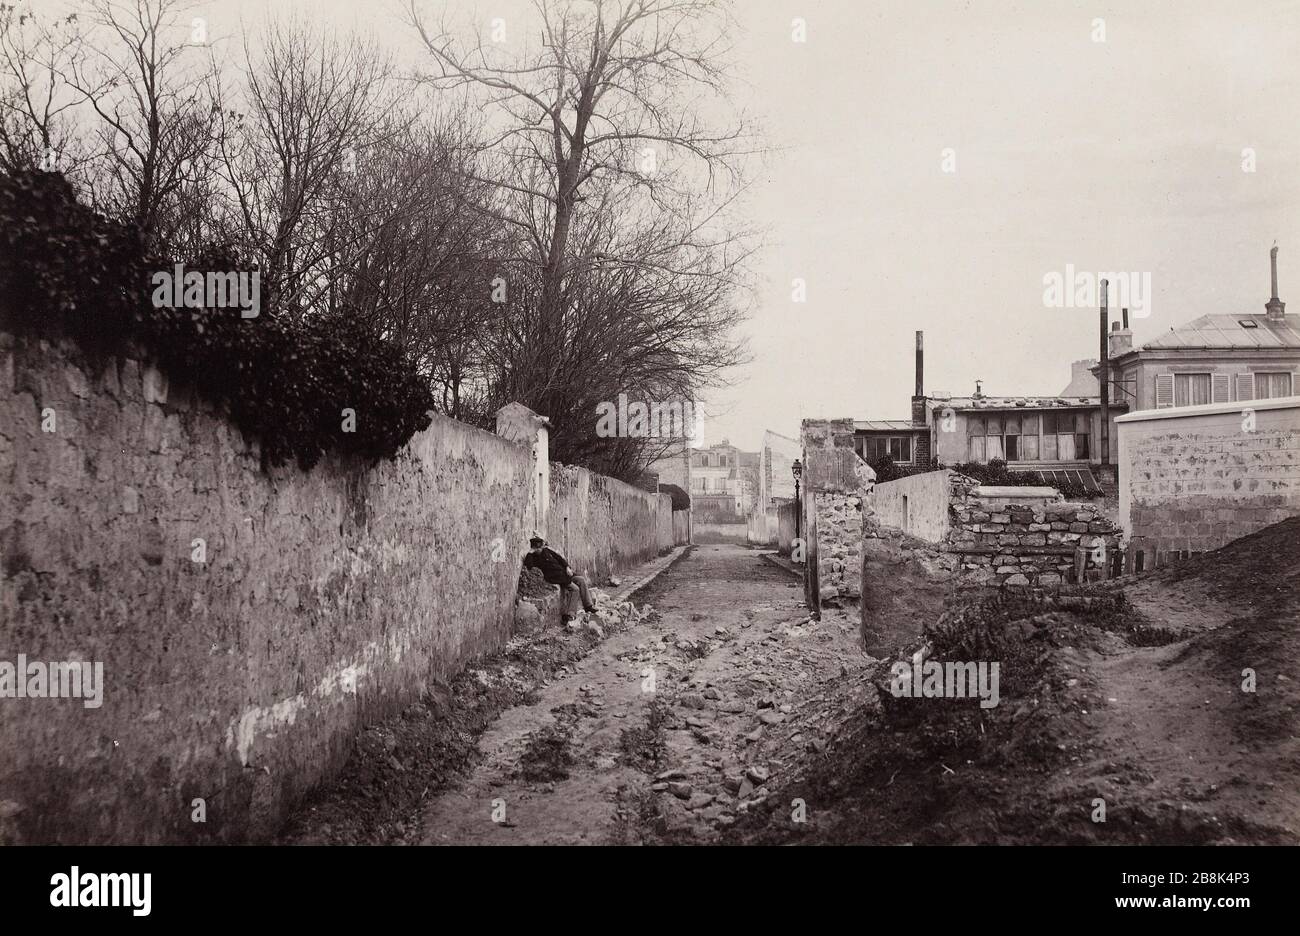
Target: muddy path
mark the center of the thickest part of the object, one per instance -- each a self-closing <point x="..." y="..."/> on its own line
<point x="669" y="730"/>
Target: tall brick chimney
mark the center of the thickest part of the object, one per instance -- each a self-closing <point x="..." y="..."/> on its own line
<point x="922" y="454"/>
<point x="1275" y="307"/>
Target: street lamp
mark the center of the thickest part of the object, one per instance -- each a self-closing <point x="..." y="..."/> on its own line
<point x="796" y="469"/>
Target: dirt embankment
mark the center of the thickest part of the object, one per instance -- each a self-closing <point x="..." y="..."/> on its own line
<point x="1161" y="710"/>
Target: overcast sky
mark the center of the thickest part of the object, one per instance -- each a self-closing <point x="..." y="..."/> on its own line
<point x="1117" y="155"/>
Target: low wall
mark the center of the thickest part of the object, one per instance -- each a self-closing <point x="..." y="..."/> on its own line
<point x="1194" y="478"/>
<point x="737" y="533"/>
<point x="917" y="505"/>
<point x="1008" y="536"/>
<point x="248" y="623"/>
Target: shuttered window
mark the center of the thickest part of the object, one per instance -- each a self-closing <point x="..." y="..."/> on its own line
<point x="1272" y="386"/>
<point x="1221" y="388"/>
<point x="1191" y="389"/>
<point x="1164" y="390"/>
<point x="1245" y="387"/>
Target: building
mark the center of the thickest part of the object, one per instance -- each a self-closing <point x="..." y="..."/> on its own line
<point x="1217" y="358"/>
<point x="1055" y="436"/>
<point x="723" y="479"/>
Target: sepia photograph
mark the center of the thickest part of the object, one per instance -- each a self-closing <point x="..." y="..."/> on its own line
<point x="714" y="424"/>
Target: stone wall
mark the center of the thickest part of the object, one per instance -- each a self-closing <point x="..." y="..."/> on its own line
<point x="1029" y="541"/>
<point x="1195" y="478"/>
<point x="248" y="623"/>
<point x="1011" y="536"/>
<point x="836" y="484"/>
<point x="601" y="524"/>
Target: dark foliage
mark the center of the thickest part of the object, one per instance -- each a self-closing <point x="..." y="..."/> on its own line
<point x="681" y="500"/>
<point x="287" y="381"/>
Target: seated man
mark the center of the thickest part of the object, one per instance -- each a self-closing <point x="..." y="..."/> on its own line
<point x="555" y="569"/>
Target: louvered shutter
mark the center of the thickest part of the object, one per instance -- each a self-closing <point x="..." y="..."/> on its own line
<point x="1221" y="388"/>
<point x="1245" y="387"/>
<point x="1164" y="390"/>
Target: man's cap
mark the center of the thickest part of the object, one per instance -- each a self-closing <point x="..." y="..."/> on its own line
<point x="536" y="541"/>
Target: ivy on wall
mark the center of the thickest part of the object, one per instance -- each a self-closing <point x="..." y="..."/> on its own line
<point x="304" y="386"/>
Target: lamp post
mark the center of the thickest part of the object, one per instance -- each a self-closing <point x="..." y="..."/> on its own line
<point x="796" y="469"/>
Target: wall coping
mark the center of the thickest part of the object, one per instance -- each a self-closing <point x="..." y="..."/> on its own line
<point x="1210" y="409"/>
<point x="1012" y="490"/>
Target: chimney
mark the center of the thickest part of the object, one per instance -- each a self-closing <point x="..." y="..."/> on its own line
<point x="922" y="453"/>
<point x="1121" y="339"/>
<point x="920" y="364"/>
<point x="1103" y="376"/>
<point x="1275" y="307"/>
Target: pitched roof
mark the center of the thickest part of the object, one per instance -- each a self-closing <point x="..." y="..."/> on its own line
<point x="1230" y="331"/>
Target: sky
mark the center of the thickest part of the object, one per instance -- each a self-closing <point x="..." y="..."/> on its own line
<point x="1123" y="154"/>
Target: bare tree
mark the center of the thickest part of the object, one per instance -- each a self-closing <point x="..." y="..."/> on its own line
<point x="36" y="103"/>
<point x="146" y="83"/>
<point x="601" y="137"/>
<point x="314" y="103"/>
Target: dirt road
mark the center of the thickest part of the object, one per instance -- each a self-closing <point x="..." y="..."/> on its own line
<point x="668" y="730"/>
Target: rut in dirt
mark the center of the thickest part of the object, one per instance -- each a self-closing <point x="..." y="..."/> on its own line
<point x="666" y="731"/>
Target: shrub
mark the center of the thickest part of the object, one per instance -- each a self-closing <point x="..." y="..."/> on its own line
<point x="66" y="270"/>
<point x="681" y="500"/>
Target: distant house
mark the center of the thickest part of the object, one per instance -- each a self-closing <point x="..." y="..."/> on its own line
<point x="1055" y="436"/>
<point x="1217" y="358"/>
<point x="721" y="479"/>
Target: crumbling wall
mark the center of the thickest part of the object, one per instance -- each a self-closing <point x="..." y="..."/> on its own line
<point x="837" y="485"/>
<point x="1011" y="536"/>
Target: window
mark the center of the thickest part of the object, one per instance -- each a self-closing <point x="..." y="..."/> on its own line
<point x="873" y="448"/>
<point x="1191" y="389"/>
<point x="1066" y="436"/>
<point x="1271" y="386"/>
